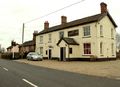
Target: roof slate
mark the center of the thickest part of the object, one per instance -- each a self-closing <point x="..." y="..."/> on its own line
<point x="29" y="43"/>
<point x="82" y="21"/>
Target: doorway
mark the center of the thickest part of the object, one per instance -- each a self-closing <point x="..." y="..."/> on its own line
<point x="62" y="53"/>
<point x="49" y="54"/>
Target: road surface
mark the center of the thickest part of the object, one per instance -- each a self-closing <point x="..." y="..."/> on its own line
<point x="15" y="74"/>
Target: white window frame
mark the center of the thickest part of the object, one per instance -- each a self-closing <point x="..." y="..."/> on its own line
<point x="41" y="50"/>
<point x="61" y="34"/>
<point x="41" y="39"/>
<point x="87" y="50"/>
<point x="112" y="48"/>
<point x="101" y="48"/>
<point x="86" y="31"/>
<point x="49" y="38"/>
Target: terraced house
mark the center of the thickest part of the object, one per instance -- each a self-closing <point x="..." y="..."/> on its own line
<point x="91" y="37"/>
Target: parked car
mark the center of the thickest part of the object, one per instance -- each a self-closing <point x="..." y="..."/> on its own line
<point x="34" y="56"/>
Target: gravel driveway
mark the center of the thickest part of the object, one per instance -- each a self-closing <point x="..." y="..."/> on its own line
<point x="110" y="69"/>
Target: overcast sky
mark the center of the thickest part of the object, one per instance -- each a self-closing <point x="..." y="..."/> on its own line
<point x="15" y="12"/>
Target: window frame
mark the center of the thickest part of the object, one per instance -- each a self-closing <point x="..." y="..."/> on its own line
<point x="112" y="48"/>
<point x="41" y="39"/>
<point x="61" y="34"/>
<point x="41" y="50"/>
<point x="86" y="31"/>
<point x="101" y="48"/>
<point x="87" y="48"/>
<point x="49" y="38"/>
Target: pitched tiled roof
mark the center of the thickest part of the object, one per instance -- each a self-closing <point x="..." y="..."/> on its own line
<point x="9" y="47"/>
<point x="12" y="46"/>
<point x="69" y="41"/>
<point x="82" y="21"/>
<point x="29" y="43"/>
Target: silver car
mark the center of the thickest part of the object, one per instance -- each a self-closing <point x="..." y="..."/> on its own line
<point x="34" y="56"/>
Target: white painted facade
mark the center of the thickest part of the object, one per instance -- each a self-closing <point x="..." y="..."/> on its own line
<point x="108" y="40"/>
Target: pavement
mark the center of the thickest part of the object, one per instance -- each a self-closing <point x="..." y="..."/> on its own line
<point x="15" y="74"/>
<point x="109" y="69"/>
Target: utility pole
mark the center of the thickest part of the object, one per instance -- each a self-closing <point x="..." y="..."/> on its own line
<point x="23" y="33"/>
<point x="22" y="39"/>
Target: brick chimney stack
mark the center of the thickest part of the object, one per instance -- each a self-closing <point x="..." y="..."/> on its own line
<point x="46" y="25"/>
<point x="103" y="7"/>
<point x="34" y="34"/>
<point x="13" y="43"/>
<point x="63" y="19"/>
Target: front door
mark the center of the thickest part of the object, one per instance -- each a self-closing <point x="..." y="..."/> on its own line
<point x="62" y="53"/>
<point x="49" y="54"/>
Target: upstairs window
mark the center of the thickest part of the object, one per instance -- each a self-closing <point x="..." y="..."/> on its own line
<point x="61" y="34"/>
<point x="86" y="30"/>
<point x="87" y="48"/>
<point x="41" y="39"/>
<point x="50" y="38"/>
<point x="101" y="30"/>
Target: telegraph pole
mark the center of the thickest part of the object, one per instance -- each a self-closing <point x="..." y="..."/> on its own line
<point x="22" y="39"/>
<point x="23" y="33"/>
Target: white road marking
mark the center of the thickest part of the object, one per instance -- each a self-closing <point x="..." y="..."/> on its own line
<point x="5" y="69"/>
<point x="29" y="83"/>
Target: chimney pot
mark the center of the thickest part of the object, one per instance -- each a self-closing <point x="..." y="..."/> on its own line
<point x="63" y="19"/>
<point x="103" y="7"/>
<point x="46" y="25"/>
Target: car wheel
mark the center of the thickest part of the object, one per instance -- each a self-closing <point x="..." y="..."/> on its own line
<point x="31" y="58"/>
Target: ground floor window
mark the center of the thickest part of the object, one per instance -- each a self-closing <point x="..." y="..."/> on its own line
<point x="112" y="48"/>
<point x="41" y="50"/>
<point x="101" y="48"/>
<point x="87" y="48"/>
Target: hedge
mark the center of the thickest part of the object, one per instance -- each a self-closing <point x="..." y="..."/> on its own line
<point x="10" y="56"/>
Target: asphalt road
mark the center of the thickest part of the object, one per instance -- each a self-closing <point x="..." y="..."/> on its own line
<point x="14" y="74"/>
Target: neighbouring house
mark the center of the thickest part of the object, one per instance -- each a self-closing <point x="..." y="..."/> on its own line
<point x="13" y="48"/>
<point x="28" y="46"/>
<point x="91" y="37"/>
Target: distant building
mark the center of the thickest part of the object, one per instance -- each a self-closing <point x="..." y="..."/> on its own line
<point x="28" y="46"/>
<point x="13" y="48"/>
<point x="86" y="38"/>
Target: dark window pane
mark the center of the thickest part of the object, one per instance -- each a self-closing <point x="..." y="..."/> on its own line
<point x="70" y="50"/>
